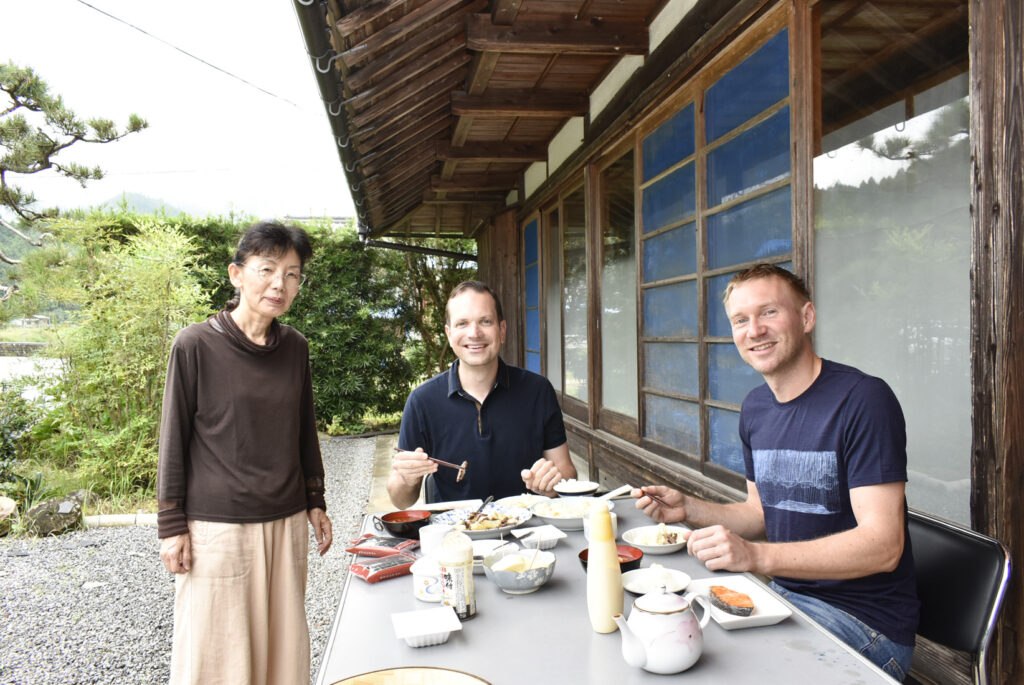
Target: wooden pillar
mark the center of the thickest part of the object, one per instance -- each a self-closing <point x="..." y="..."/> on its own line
<point x="997" y="306"/>
<point x="501" y="267"/>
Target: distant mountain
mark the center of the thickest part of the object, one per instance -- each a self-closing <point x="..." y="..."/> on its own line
<point x="141" y="204"/>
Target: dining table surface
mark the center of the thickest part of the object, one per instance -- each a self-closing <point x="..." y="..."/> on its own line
<point x="546" y="636"/>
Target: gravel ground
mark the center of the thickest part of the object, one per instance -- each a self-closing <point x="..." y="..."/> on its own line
<point x="96" y="606"/>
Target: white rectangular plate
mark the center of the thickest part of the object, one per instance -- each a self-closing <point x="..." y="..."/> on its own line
<point x="768" y="608"/>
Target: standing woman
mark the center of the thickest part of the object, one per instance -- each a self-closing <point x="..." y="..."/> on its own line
<point x="240" y="472"/>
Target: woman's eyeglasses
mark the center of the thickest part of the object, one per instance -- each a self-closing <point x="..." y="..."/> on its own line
<point x="291" y="279"/>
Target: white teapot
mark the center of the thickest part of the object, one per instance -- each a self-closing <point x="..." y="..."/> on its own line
<point x="663" y="634"/>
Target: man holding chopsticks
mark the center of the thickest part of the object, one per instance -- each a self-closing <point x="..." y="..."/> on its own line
<point x="824" y="447"/>
<point x="499" y="425"/>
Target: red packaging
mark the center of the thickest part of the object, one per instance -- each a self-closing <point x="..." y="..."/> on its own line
<point x="382" y="568"/>
<point x="370" y="545"/>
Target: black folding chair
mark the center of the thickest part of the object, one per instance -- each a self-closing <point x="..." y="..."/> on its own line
<point x="429" y="494"/>
<point x="961" y="579"/>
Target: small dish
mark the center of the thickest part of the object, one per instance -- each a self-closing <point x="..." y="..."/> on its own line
<point x="643" y="536"/>
<point x="425" y="627"/>
<point x="640" y="581"/>
<point x="629" y="557"/>
<point x="515" y="582"/>
<point x="575" y="488"/>
<point x="544" y="537"/>
<point x="769" y="609"/>
<point x="567" y="513"/>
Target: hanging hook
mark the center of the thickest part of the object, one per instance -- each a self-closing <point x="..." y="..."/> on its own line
<point x="305" y="3"/>
<point x="900" y="126"/>
<point x="341" y="144"/>
<point x="330" y="108"/>
<point x="330" y="62"/>
<point x="354" y="167"/>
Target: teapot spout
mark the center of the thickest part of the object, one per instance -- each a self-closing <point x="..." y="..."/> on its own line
<point x="633" y="650"/>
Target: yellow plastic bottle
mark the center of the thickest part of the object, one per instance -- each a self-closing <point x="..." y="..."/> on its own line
<point x="604" y="577"/>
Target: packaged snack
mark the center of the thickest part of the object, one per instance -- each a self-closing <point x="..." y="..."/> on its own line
<point x="370" y="545"/>
<point x="382" y="568"/>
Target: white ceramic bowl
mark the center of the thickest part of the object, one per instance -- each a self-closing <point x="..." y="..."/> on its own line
<point x="566" y="513"/>
<point x="643" y="580"/>
<point x="641" y="538"/>
<point x="520" y="582"/>
<point x="482" y="548"/>
<point x="575" y="488"/>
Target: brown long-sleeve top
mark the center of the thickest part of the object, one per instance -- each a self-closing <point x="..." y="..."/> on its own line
<point x="238" y="439"/>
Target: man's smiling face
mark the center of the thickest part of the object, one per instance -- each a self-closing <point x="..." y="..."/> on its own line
<point x="770" y="326"/>
<point x="473" y="329"/>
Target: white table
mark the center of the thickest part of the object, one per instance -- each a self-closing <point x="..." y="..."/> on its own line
<point x="545" y="637"/>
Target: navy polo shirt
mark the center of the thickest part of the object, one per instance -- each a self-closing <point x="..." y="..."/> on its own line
<point x="518" y="420"/>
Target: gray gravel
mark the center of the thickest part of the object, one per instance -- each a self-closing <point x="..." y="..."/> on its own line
<point x="96" y="606"/>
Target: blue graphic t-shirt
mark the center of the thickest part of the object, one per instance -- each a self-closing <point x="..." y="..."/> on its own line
<point x="845" y="431"/>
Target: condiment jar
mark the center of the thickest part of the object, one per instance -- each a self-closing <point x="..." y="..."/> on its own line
<point x="604" y="576"/>
<point x="426" y="580"/>
<point x="455" y="558"/>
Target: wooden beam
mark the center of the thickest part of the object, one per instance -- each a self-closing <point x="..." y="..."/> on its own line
<point x="414" y="49"/>
<point x="492" y="152"/>
<point x="514" y="102"/>
<point x="397" y="31"/>
<point x="488" y="198"/>
<point x="357" y="19"/>
<point x="504" y="11"/>
<point x="474" y="183"/>
<point x="449" y="50"/>
<point x="574" y="37"/>
<point x="997" y="304"/>
<point x="444" y="78"/>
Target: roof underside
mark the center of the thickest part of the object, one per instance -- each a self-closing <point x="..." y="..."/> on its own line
<point x="440" y="105"/>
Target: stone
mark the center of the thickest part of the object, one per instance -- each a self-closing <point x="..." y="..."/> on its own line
<point x="87" y="498"/>
<point x="8" y="507"/>
<point x="53" y="517"/>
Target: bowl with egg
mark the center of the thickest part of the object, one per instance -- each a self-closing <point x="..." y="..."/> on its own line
<point x="519" y="572"/>
<point x="657" y="539"/>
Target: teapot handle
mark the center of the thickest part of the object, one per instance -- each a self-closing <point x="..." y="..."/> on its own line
<point x="703" y="601"/>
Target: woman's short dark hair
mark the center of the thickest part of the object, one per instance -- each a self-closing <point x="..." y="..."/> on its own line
<point x="273" y="239"/>
<point x="270" y="238"/>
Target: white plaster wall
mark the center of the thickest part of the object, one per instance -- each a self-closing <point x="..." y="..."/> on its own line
<point x="565" y="142"/>
<point x="613" y="82"/>
<point x="534" y="175"/>
<point x="668" y="18"/>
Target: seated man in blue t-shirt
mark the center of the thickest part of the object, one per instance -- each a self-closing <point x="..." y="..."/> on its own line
<point x="824" y="447"/>
<point x="503" y="421"/>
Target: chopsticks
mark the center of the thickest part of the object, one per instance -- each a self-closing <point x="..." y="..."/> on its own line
<point x="461" y="467"/>
<point x="656" y="499"/>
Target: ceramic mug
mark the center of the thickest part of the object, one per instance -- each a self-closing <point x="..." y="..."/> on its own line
<point x="431" y="536"/>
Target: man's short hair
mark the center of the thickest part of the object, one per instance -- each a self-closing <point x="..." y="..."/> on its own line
<point x="478" y="287"/>
<point x="762" y="270"/>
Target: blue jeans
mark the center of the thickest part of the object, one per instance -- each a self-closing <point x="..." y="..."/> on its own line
<point x="891" y="657"/>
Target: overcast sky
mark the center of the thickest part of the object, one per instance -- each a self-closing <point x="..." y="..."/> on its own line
<point x="214" y="144"/>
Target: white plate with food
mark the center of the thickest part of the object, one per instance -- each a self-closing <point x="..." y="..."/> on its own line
<point x="640" y="581"/>
<point x="493" y="521"/>
<point x="525" y="500"/>
<point x="767" y="608"/>
<point x="567" y="513"/>
<point x="657" y="539"/>
<point x="575" y="488"/>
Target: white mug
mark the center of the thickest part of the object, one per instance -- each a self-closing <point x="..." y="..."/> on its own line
<point x="431" y="536"/>
<point x="586" y="526"/>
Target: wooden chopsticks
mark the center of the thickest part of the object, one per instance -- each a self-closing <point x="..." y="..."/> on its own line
<point x="461" y="467"/>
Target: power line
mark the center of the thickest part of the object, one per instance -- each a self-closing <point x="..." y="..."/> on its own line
<point x="189" y="54"/>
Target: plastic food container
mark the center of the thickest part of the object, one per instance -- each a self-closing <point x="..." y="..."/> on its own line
<point x="425" y="627"/>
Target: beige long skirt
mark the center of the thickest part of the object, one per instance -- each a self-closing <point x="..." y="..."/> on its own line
<point x="240" y="613"/>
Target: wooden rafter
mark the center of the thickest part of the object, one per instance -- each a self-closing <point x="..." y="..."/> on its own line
<point x="443" y="78"/>
<point x="474" y="182"/>
<point x="509" y="102"/>
<point x="504" y="11"/>
<point x="491" y="152"/>
<point x="576" y="37"/>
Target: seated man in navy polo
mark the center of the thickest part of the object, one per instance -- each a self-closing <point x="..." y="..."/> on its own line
<point x="504" y="421"/>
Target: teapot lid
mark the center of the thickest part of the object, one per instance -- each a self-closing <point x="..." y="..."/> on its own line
<point x="661" y="601"/>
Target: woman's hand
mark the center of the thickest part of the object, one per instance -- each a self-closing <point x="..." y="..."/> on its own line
<point x="176" y="553"/>
<point x="321" y="529"/>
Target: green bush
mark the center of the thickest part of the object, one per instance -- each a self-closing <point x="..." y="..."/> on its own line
<point x="352" y="313"/>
